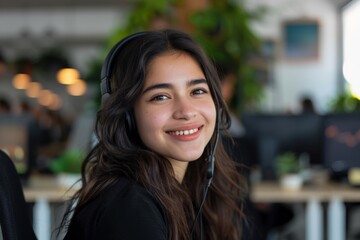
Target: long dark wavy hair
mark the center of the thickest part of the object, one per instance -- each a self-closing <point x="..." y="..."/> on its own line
<point x="120" y="151"/>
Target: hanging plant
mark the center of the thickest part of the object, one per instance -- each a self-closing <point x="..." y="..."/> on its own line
<point x="52" y="60"/>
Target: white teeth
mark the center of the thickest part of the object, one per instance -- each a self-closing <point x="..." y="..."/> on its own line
<point x="185" y="132"/>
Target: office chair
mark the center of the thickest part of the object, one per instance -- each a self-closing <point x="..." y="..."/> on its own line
<point x="14" y="218"/>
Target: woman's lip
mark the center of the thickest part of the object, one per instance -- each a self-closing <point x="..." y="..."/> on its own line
<point x="184" y="131"/>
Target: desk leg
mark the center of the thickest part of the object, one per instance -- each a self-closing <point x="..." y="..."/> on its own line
<point x="42" y="219"/>
<point x="336" y="220"/>
<point x="314" y="220"/>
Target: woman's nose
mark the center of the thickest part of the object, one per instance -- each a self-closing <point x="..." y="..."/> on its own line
<point x="184" y="109"/>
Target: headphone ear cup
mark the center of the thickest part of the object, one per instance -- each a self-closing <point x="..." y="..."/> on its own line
<point x="104" y="97"/>
<point x="130" y="122"/>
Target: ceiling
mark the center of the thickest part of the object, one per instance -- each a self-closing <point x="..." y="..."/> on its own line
<point x="21" y="4"/>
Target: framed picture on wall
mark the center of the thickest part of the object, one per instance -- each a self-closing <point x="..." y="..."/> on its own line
<point x="301" y="39"/>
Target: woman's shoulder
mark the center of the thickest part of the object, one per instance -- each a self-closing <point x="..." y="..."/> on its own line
<point x="128" y="193"/>
<point x="124" y="209"/>
<point x="125" y="195"/>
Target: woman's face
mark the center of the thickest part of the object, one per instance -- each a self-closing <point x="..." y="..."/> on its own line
<point x="175" y="113"/>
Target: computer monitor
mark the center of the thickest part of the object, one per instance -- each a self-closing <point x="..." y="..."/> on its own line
<point x="341" y="142"/>
<point x="17" y="139"/>
<point x="273" y="134"/>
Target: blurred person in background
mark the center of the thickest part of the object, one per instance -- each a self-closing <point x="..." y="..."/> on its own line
<point x="307" y="105"/>
<point x="228" y="90"/>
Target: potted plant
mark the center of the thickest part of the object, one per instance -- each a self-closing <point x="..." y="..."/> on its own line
<point x="67" y="168"/>
<point x="288" y="169"/>
<point x="345" y="103"/>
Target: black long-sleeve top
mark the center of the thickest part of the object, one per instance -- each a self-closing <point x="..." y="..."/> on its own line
<point x="124" y="211"/>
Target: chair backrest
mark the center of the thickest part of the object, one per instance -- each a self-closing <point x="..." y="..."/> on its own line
<point x="14" y="215"/>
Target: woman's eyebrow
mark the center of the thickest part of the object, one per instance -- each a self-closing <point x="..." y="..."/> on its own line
<point x="196" y="82"/>
<point x="158" y="86"/>
<point x="169" y="86"/>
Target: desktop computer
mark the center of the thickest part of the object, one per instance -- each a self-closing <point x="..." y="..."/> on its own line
<point x="274" y="134"/>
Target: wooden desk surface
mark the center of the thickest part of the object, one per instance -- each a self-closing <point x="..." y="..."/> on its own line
<point x="272" y="192"/>
<point x="46" y="187"/>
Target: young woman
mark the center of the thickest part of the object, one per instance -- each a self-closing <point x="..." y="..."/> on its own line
<point x="158" y="129"/>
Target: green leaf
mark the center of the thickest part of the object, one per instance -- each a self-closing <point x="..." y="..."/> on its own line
<point x="287" y="163"/>
<point x="69" y="162"/>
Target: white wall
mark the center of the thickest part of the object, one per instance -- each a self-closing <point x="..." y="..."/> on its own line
<point x="293" y="79"/>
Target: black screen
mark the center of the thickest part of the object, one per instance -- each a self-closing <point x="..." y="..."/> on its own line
<point x="342" y="141"/>
<point x="274" y="134"/>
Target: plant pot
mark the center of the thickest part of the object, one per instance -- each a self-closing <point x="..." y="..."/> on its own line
<point x="291" y="181"/>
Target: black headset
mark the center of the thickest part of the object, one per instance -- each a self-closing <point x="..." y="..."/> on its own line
<point x="108" y="64"/>
<point x="106" y="71"/>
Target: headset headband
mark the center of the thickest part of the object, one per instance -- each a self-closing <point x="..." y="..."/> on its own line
<point x="107" y="66"/>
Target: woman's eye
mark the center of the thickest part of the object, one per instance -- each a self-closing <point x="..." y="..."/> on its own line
<point x="159" y="98"/>
<point x="199" y="91"/>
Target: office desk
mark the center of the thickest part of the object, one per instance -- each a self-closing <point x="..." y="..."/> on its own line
<point x="335" y="194"/>
<point x="43" y="191"/>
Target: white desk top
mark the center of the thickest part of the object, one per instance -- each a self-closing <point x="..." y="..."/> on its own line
<point x="47" y="188"/>
<point x="272" y="192"/>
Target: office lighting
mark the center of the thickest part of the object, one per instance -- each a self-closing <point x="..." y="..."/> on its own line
<point x="78" y="88"/>
<point x="68" y="76"/>
<point x="21" y="81"/>
<point x="33" y="90"/>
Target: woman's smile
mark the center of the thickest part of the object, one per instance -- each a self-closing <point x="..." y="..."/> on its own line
<point x="185" y="131"/>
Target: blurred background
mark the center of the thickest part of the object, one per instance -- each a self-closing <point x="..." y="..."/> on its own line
<point x="290" y="73"/>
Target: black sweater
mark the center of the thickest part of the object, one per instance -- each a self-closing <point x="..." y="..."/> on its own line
<point x="124" y="211"/>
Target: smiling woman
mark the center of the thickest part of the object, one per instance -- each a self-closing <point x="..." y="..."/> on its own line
<point x="175" y="114"/>
<point x="153" y="173"/>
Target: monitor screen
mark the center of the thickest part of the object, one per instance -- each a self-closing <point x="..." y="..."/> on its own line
<point x="342" y="141"/>
<point x="274" y="134"/>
